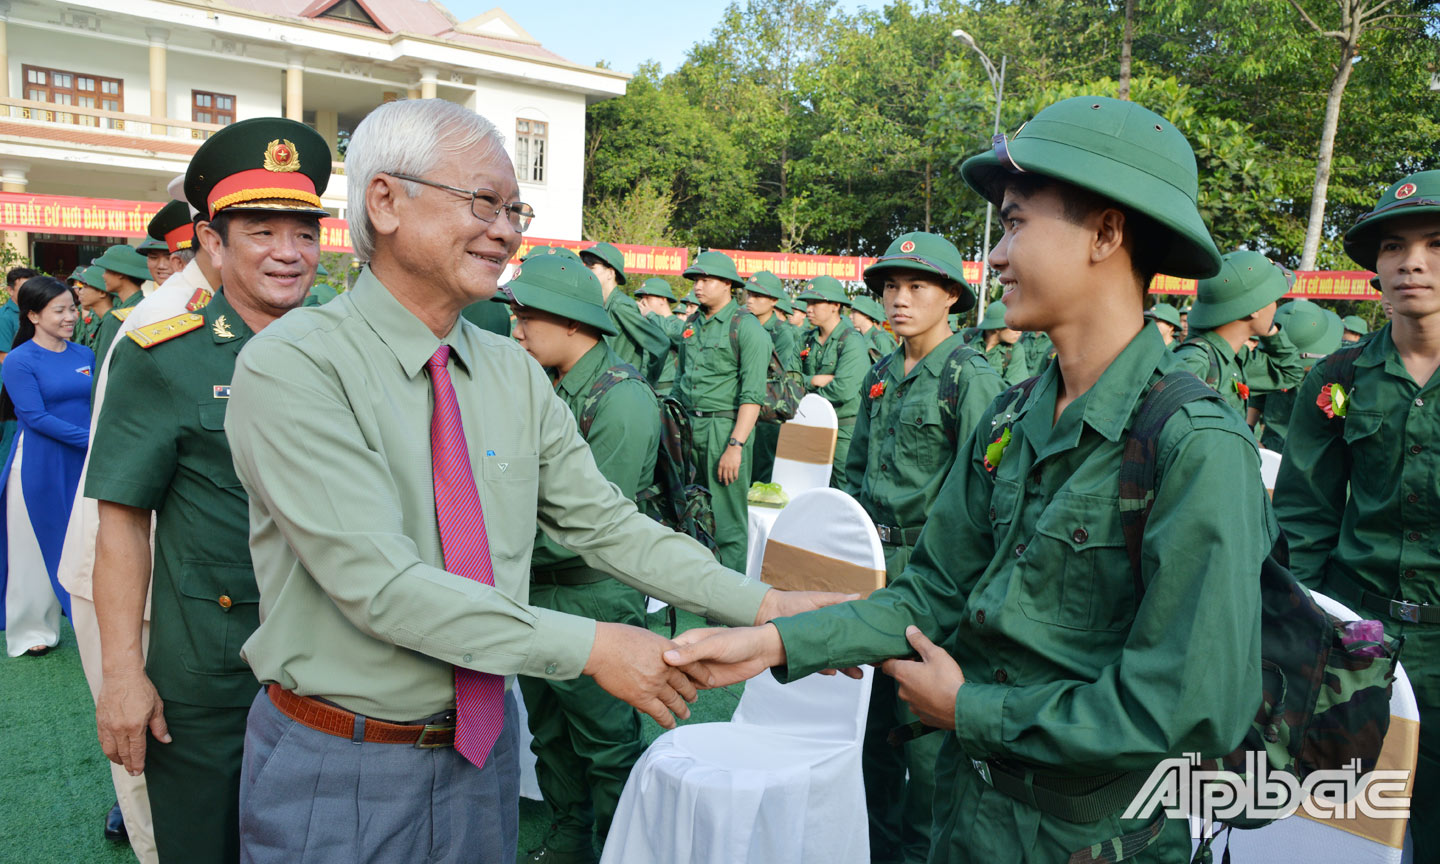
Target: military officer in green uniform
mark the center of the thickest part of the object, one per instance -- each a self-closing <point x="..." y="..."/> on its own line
<point x="867" y="315"/>
<point x="763" y="294"/>
<point x="833" y="360"/>
<point x="1230" y="308"/>
<point x="1166" y="319"/>
<point x="918" y="403"/>
<point x="654" y="297"/>
<point x="1001" y="345"/>
<point x="640" y="342"/>
<point x="125" y="270"/>
<point x="1059" y="688"/>
<point x="1355" y="328"/>
<point x="724" y="355"/>
<point x="1315" y="332"/>
<point x="160" y="448"/>
<point x="1356" y="494"/>
<point x="585" y="740"/>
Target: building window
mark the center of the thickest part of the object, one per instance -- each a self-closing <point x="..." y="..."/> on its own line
<point x="530" y="150"/>
<point x="218" y="108"/>
<point x="74" y="88"/>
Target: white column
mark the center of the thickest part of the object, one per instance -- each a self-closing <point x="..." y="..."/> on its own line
<point x="13" y="178"/>
<point x="4" y="54"/>
<point x="295" y="89"/>
<point x="159" y="103"/>
<point x="428" y="74"/>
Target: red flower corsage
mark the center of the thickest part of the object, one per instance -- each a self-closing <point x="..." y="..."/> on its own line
<point x="689" y="331"/>
<point x="1333" y="400"/>
<point x="877" y="390"/>
<point x="1243" y="389"/>
<point x="805" y="353"/>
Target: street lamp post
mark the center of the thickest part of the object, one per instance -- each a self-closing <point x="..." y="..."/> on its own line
<point x="997" y="84"/>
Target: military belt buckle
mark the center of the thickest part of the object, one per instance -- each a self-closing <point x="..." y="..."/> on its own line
<point x="983" y="769"/>
<point x="884" y="532"/>
<point x="1405" y="611"/>
<point x="436" y="735"/>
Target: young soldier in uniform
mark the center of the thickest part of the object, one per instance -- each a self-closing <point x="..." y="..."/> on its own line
<point x="1060" y="684"/>
<point x="1166" y="319"/>
<point x="1230" y="308"/>
<point x="1184" y="323"/>
<point x="125" y="271"/>
<point x="867" y="316"/>
<point x="798" y="316"/>
<point x="654" y="298"/>
<point x="1315" y="332"/>
<point x="723" y="389"/>
<point x="157" y="257"/>
<point x="1001" y="345"/>
<point x="640" y="342"/>
<point x="95" y="299"/>
<point x="160" y="449"/>
<point x="918" y="403"/>
<point x="586" y="741"/>
<point x="763" y="293"/>
<point x="1356" y="493"/>
<point x="833" y="360"/>
<point x="1355" y="327"/>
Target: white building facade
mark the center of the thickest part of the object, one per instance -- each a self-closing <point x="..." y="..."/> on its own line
<point x="110" y="99"/>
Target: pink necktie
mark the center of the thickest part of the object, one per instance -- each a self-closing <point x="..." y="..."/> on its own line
<point x="479" y="696"/>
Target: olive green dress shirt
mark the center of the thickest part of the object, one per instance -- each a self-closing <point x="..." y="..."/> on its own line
<point x="330" y="428"/>
<point x="710" y="378"/>
<point x="846" y="355"/>
<point x="1276" y="365"/>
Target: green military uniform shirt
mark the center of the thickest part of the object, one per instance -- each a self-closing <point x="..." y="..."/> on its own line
<point x="1023" y="577"/>
<point x="110" y="325"/>
<point x="624" y="437"/>
<point x="710" y="376"/>
<point x="846" y="355"/>
<point x="490" y="315"/>
<point x="784" y="338"/>
<point x="641" y="342"/>
<point x="1038" y="350"/>
<point x="85" y="331"/>
<point x="672" y="326"/>
<point x="1275" y="366"/>
<point x="160" y="445"/>
<point x="880" y="341"/>
<point x="330" y="427"/>
<point x="901" y="451"/>
<point x="1008" y="360"/>
<point x="1275" y="411"/>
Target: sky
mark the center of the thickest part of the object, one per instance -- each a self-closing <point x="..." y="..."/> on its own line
<point x="624" y="33"/>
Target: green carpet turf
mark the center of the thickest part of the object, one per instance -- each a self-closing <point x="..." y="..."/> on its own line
<point x="55" y="788"/>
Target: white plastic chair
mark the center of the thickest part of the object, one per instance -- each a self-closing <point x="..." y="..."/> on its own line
<point x="1269" y="467"/>
<point x="781" y="782"/>
<point x="802" y="457"/>
<point x="1354" y="841"/>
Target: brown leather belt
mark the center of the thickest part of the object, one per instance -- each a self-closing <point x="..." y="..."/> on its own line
<point x="333" y="720"/>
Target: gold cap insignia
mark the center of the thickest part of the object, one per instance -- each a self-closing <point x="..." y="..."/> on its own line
<point x="222" y="329"/>
<point x="1405" y="191"/>
<point x="280" y="155"/>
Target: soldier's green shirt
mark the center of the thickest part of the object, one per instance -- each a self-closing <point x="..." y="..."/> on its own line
<point x="902" y="451"/>
<point x="786" y="342"/>
<point x="1008" y="360"/>
<point x="1275" y="409"/>
<point x="710" y="378"/>
<point x="1275" y="366"/>
<point x="1381" y="536"/>
<point x="1038" y="350"/>
<point x="1024" y="579"/>
<point x="329" y="424"/>
<point x="671" y="326"/>
<point x="624" y="436"/>
<point x="846" y="355"/>
<point x="85" y="331"/>
<point x="641" y="343"/>
<point x="880" y="341"/>
<point x="110" y="325"/>
<point x="160" y="445"/>
<point x="490" y="315"/>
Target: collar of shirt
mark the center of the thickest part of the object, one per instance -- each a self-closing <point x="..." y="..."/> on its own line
<point x="1213" y="339"/>
<point x="236" y="328"/>
<point x="932" y="364"/>
<point x="132" y="300"/>
<point x="406" y="336"/>
<point x="726" y="312"/>
<point x="834" y="337"/>
<point x="194" y="276"/>
<point x="1381" y="351"/>
<point x="590" y="364"/>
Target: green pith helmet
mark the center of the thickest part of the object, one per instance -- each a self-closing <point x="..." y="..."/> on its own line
<point x="1314" y="329"/>
<point x="77" y="275"/>
<point x="265" y="163"/>
<point x="689" y="301"/>
<point x="94" y="276"/>
<point x="927" y="253"/>
<point x="150" y="244"/>
<point x="1414" y="195"/>
<point x="320" y="269"/>
<point x="124" y="260"/>
<point x="766" y="284"/>
<point x="826" y="289"/>
<point x="783" y="304"/>
<point x="716" y="264"/>
<point x="800" y="303"/>
<point x="609" y="256"/>
<point x="555" y="284"/>
<point x="541" y="251"/>
<point x="172" y="227"/>
<point x="1120" y="151"/>
<point x="869" y="307"/>
<point x="655" y="287"/>
<point x="1185" y="310"/>
<point x="994" y="317"/>
<point x="1165" y="312"/>
<point x="1247" y="282"/>
<point x="1355" y="324"/>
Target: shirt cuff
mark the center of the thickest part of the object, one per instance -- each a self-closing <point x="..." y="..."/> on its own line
<point x="740" y="605"/>
<point x="979" y="719"/>
<point x="120" y="491"/>
<point x="560" y="646"/>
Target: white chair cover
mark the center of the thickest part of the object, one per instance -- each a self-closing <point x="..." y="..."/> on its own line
<point x="781" y="781"/>
<point x="801" y="463"/>
<point x="1269" y="467"/>
<point x="1355" y="841"/>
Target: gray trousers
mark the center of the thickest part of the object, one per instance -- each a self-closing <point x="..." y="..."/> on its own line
<point x="308" y="797"/>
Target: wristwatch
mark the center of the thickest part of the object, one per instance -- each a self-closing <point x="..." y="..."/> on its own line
<point x="733" y="442"/>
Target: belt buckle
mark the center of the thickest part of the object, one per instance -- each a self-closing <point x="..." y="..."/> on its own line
<point x="424" y="742"/>
<point x="884" y="532"/>
<point x="1405" y="611"/>
<point x="983" y="769"/>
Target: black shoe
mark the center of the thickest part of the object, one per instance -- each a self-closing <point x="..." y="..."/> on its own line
<point x="115" y="825"/>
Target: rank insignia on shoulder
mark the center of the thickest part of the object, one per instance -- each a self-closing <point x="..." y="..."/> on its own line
<point x="199" y="300"/>
<point x="163" y="331"/>
<point x="222" y="391"/>
<point x="122" y="314"/>
<point x="221" y="328"/>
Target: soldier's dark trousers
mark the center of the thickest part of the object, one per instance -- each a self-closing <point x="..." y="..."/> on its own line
<point x="1421" y="658"/>
<point x="586" y="741"/>
<point x="731" y="510"/>
<point x="194" y="784"/>
<point x="767" y="437"/>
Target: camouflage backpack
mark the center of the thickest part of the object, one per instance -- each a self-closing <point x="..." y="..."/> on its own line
<point x="783" y="389"/>
<point x="1325" y="697"/>
<point x="674" y="498"/>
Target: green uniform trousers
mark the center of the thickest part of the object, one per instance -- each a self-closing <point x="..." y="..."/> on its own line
<point x="842" y="450"/>
<point x="901" y="810"/>
<point x="1421" y="657"/>
<point x="194" y="784"/>
<point x="728" y="502"/>
<point x="586" y="741"/>
<point x="767" y="437"/>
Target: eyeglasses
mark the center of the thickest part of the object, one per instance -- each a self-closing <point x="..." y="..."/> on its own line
<point x="484" y="203"/>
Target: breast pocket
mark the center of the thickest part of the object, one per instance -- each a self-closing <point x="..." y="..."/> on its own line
<point x="222" y="609"/>
<point x="220" y="469"/>
<point x="1370" y="454"/>
<point x="920" y="438"/>
<point x="1076" y="570"/>
<point x="509" y="488"/>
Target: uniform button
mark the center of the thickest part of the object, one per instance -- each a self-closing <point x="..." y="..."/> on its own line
<point x="1410" y="574"/>
<point x="979" y="616"/>
<point x="993" y="514"/>
<point x="1019" y="550"/>
<point x="1416" y="448"/>
<point x="1000" y="676"/>
<point x="1080" y="535"/>
<point x="1413" y="536"/>
<point x="466" y="658"/>
<point x="550" y="670"/>
<point x="1419" y="403"/>
<point x="1412" y="498"/>
<point x="225" y="601"/>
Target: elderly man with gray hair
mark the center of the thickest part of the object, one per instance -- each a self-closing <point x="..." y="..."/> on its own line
<point x="398" y="460"/>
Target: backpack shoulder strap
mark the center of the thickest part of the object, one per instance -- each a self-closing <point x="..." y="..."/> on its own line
<point x="1212" y="375"/>
<point x="1010" y="401"/>
<point x="608" y="379"/>
<point x="949" y="390"/>
<point x="1139" y="459"/>
<point x="1340" y="365"/>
